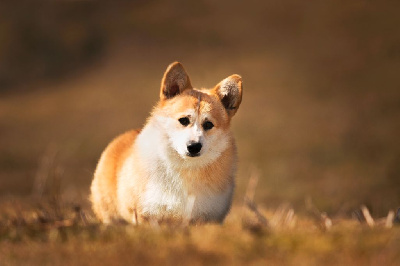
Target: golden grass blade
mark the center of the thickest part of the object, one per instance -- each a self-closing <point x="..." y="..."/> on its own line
<point x="368" y="218"/>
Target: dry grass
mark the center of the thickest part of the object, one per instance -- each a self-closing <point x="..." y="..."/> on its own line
<point x="51" y="232"/>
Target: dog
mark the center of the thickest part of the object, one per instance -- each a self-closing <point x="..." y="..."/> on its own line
<point x="181" y="165"/>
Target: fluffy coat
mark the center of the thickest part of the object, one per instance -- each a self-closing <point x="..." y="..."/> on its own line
<point x="181" y="165"/>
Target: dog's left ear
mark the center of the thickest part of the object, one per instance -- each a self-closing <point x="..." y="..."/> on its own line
<point x="174" y="82"/>
<point x="229" y="92"/>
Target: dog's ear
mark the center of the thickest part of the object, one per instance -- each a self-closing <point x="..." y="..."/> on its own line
<point x="174" y="82"/>
<point x="229" y="92"/>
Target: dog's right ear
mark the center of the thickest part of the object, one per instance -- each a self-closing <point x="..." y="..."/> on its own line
<point x="174" y="82"/>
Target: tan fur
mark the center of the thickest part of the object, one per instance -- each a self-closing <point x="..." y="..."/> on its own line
<point x="148" y="175"/>
<point x="104" y="185"/>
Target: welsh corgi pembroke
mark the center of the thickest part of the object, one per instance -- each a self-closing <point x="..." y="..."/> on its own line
<point x="181" y="165"/>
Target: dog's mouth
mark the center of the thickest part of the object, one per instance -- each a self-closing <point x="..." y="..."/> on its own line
<point x="192" y="154"/>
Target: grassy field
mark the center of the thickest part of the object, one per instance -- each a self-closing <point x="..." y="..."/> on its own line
<point x="318" y="126"/>
<point x="55" y="233"/>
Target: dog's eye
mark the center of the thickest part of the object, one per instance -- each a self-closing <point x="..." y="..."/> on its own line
<point x="184" y="121"/>
<point x="208" y="125"/>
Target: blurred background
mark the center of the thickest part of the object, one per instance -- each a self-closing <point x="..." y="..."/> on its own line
<point x="320" y="117"/>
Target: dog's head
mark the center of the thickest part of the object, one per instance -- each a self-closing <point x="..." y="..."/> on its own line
<point x="196" y="122"/>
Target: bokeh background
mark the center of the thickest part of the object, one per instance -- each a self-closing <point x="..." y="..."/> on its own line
<point x="320" y="117"/>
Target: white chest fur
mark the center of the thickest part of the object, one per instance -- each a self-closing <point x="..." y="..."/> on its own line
<point x="167" y="196"/>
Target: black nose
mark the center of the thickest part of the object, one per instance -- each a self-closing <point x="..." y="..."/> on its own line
<point x="194" y="149"/>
